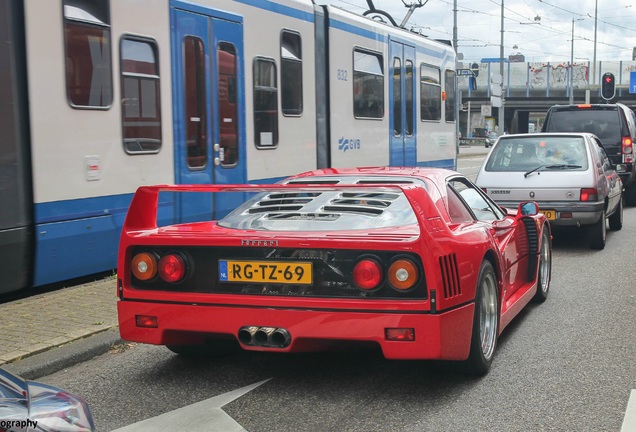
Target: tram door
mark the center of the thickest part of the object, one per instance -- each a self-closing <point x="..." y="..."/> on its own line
<point x="209" y="134"/>
<point x="402" y="104"/>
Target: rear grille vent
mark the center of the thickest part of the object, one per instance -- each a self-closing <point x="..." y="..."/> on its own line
<point x="329" y="205"/>
<point x="361" y="202"/>
<point x="450" y="275"/>
<point x="284" y="202"/>
<point x="304" y="216"/>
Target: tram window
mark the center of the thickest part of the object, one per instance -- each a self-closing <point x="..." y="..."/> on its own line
<point x="141" y="109"/>
<point x="449" y="87"/>
<point x="397" y="97"/>
<point x="430" y="93"/>
<point x="228" y="113"/>
<point x="368" y="85"/>
<point x="265" y="103"/>
<point x="409" y="97"/>
<point x="89" y="82"/>
<point x="291" y="74"/>
<point x="195" y="103"/>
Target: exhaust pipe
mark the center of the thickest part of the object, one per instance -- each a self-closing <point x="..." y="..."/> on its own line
<point x="280" y="338"/>
<point x="262" y="335"/>
<point x="246" y="335"/>
<point x="270" y="337"/>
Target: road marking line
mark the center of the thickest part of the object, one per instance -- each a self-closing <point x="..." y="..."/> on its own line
<point x="629" y="422"/>
<point x="203" y="416"/>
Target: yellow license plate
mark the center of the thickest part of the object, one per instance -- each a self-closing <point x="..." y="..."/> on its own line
<point x="550" y="214"/>
<point x="276" y="272"/>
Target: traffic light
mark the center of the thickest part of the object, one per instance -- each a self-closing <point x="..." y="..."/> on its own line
<point x="475" y="68"/>
<point x="608" y="86"/>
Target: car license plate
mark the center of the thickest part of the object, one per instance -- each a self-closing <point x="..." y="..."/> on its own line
<point x="550" y="214"/>
<point x="277" y="272"/>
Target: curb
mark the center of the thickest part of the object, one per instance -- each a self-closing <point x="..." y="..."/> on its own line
<point x="64" y="356"/>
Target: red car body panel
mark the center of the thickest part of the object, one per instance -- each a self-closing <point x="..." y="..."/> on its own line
<point x="451" y="256"/>
<point x="442" y="336"/>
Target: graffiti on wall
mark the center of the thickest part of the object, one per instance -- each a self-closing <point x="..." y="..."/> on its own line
<point x="556" y="74"/>
<point x="536" y="76"/>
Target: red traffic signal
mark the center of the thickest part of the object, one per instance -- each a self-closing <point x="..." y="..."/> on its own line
<point x="608" y="86"/>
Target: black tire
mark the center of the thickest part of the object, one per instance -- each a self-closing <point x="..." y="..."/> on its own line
<point x="209" y="348"/>
<point x="544" y="274"/>
<point x="597" y="233"/>
<point x="616" y="219"/>
<point x="485" y="322"/>
<point x="630" y="195"/>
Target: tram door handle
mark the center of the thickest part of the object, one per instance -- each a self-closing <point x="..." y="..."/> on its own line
<point x="217" y="150"/>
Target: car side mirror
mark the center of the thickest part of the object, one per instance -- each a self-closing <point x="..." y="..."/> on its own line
<point x="528" y="209"/>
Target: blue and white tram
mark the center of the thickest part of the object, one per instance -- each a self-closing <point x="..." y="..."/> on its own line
<point x="98" y="97"/>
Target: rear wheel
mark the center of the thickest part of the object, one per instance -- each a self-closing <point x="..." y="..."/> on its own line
<point x="630" y="195"/>
<point x="485" y="322"/>
<point x="545" y="268"/>
<point x="209" y="348"/>
<point x="598" y="233"/>
<point x="616" y="219"/>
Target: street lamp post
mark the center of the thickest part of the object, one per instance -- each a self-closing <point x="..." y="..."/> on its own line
<point x="571" y="66"/>
<point x="570" y="89"/>
<point x="594" y="59"/>
<point x="501" y="119"/>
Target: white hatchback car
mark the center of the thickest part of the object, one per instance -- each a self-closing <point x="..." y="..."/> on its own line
<point x="567" y="174"/>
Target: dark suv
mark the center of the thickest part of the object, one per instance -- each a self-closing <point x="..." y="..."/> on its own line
<point x="614" y="124"/>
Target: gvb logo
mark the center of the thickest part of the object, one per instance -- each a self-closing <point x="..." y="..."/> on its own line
<point x="345" y="144"/>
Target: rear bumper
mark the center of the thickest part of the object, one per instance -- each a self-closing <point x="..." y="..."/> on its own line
<point x="444" y="336"/>
<point x="583" y="213"/>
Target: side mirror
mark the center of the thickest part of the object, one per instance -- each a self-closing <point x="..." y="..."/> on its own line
<point x="528" y="209"/>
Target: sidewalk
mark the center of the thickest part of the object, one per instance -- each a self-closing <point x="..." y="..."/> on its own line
<point x="41" y="322"/>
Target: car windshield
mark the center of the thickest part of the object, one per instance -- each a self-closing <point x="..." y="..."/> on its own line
<point x="532" y="152"/>
<point x="337" y="209"/>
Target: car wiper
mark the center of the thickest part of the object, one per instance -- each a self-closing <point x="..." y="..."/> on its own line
<point x="552" y="166"/>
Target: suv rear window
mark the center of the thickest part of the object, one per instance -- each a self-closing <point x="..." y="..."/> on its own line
<point x="605" y="124"/>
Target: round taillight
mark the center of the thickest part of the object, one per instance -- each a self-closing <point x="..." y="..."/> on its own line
<point x="367" y="274"/>
<point x="144" y="266"/>
<point x="402" y="274"/>
<point x="172" y="268"/>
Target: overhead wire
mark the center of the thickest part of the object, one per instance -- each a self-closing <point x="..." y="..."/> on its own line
<point x="438" y="31"/>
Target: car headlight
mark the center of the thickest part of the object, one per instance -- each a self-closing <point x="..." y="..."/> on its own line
<point x="57" y="410"/>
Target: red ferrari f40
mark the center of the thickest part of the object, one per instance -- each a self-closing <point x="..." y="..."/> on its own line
<point x="418" y="261"/>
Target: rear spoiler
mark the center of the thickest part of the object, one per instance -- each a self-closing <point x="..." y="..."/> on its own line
<point x="142" y="213"/>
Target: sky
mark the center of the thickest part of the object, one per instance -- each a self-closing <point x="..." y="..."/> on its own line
<point x="541" y="30"/>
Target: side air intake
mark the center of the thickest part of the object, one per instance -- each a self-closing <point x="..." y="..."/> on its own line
<point x="450" y="275"/>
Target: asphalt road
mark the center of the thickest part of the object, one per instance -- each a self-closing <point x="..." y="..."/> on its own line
<point x="566" y="365"/>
